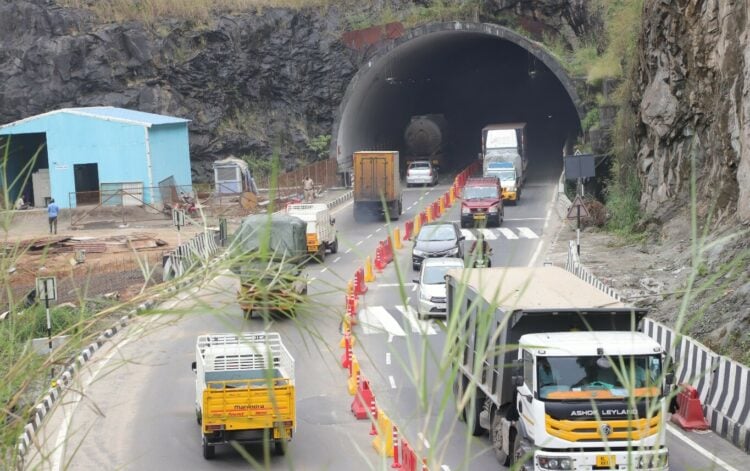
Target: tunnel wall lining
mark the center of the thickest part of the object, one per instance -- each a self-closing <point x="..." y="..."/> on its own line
<point x="384" y="47"/>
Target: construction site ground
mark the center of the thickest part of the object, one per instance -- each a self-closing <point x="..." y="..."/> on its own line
<point x="122" y="254"/>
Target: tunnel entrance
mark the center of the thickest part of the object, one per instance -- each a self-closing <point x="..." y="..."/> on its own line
<point x="473" y="75"/>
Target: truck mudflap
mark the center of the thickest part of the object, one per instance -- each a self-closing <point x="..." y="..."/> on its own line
<point x="649" y="459"/>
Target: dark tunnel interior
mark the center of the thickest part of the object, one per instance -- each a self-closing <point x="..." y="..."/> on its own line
<point x="473" y="79"/>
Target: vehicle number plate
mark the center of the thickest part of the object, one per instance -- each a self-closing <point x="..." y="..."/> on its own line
<point x="605" y="460"/>
<point x="479" y="216"/>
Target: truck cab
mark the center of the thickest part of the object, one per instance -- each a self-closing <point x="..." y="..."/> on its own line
<point x="589" y="400"/>
<point x="509" y="180"/>
<point x="482" y="202"/>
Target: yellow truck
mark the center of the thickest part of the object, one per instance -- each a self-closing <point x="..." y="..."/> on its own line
<point x="244" y="390"/>
<point x="377" y="185"/>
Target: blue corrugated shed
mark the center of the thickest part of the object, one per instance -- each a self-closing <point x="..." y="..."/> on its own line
<point x="88" y="150"/>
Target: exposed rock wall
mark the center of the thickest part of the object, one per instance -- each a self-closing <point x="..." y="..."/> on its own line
<point x="693" y="80"/>
<point x="250" y="82"/>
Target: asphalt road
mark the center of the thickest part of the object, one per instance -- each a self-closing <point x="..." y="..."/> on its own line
<point x="133" y="405"/>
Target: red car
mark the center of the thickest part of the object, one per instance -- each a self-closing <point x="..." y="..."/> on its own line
<point x="482" y="202"/>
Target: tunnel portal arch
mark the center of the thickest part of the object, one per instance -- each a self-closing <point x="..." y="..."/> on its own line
<point x="475" y="73"/>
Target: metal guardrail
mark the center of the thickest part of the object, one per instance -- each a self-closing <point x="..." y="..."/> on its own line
<point x="723" y="385"/>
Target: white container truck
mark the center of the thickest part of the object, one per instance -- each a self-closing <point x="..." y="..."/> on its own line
<point x="554" y="369"/>
<point x="244" y="390"/>
<point x="321" y="227"/>
<point x="505" y="143"/>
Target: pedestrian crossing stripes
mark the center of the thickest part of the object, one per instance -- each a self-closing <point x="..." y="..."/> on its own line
<point x="379" y="320"/>
<point x="500" y="233"/>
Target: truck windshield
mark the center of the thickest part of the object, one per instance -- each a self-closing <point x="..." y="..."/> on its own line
<point x="592" y="377"/>
<point x="504" y="175"/>
<point x="479" y="192"/>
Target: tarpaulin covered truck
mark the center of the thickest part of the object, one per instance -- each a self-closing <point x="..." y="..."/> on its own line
<point x="268" y="254"/>
<point x="244" y="390"/>
<point x="505" y="143"/>
<point x="555" y="370"/>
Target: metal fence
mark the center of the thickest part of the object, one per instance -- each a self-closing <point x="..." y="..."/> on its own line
<point x="323" y="173"/>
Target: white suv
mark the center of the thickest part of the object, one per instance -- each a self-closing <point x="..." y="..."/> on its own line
<point x="421" y="172"/>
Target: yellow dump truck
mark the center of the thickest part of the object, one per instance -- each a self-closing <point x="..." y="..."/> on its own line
<point x="376" y="183"/>
<point x="244" y="390"/>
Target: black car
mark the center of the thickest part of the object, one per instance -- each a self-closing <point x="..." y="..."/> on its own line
<point x="437" y="239"/>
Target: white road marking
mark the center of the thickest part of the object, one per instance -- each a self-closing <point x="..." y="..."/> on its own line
<point x="414" y="288"/>
<point x="540" y="244"/>
<point x="718" y="461"/>
<point x="508" y="233"/>
<point x="348" y="250"/>
<point x="524" y="219"/>
<point x="378" y="229"/>
<point x="377" y="319"/>
<point x="445" y="467"/>
<point x="324" y="270"/>
<point x="62" y="435"/>
<point x="417" y="325"/>
<point x="387" y="358"/>
<point x="527" y="233"/>
<point x="368" y="236"/>
<point x="358" y="243"/>
<point x="392" y="381"/>
<point x="488" y="234"/>
<point x="312" y="279"/>
<point x="421" y="436"/>
<point x="336" y="259"/>
<point x="468" y="234"/>
<point x="392" y="285"/>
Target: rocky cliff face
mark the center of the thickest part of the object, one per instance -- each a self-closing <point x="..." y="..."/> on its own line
<point x="694" y="78"/>
<point x="249" y="82"/>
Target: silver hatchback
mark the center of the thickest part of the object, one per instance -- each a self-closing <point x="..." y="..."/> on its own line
<point x="421" y="172"/>
<point x="431" y="293"/>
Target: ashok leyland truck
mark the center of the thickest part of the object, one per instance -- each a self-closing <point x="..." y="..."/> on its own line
<point x="505" y="143"/>
<point x="556" y="372"/>
<point x="244" y="390"/>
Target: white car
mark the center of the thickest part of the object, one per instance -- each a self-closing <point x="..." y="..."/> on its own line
<point x="421" y="172"/>
<point x="431" y="285"/>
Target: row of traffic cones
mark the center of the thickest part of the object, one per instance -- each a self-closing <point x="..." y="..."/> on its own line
<point x="387" y="441"/>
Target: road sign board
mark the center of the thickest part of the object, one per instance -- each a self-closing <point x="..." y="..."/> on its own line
<point x="579" y="166"/>
<point x="573" y="211"/>
<point x="46" y="288"/>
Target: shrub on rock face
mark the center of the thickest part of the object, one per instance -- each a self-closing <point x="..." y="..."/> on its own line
<point x="597" y="213"/>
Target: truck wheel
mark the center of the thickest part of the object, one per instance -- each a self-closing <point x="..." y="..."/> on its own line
<point x="335" y="245"/>
<point x="476" y="429"/>
<point x="519" y="458"/>
<point x="198" y="417"/>
<point x="208" y="450"/>
<point x="497" y="439"/>
<point x="278" y="447"/>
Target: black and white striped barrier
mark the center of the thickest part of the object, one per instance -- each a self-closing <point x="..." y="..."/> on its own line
<point x="197" y="251"/>
<point x="341" y="199"/>
<point x="723" y="385"/>
<point x="65" y="379"/>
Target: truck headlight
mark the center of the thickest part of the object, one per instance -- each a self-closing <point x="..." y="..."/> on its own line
<point x="554" y="462"/>
<point x="418" y="253"/>
<point x="423" y="295"/>
<point x="492" y="210"/>
<point x="465" y="210"/>
<point x="453" y="251"/>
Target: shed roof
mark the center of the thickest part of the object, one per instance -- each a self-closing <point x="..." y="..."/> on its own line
<point x="110" y="113"/>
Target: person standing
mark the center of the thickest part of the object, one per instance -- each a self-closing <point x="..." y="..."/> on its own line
<point x="309" y="189"/>
<point x="52" y="211"/>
